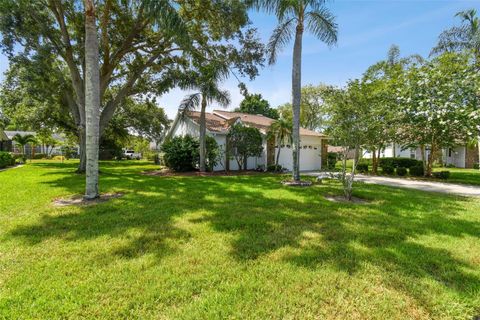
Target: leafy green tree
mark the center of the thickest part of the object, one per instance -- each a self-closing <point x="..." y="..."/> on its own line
<point x="312" y="113"/>
<point x="347" y="113"/>
<point x="465" y="37"/>
<point x="244" y="142"/>
<point x="255" y="104"/>
<point x="380" y="83"/>
<point x="281" y="131"/>
<point x="23" y="141"/>
<point x="144" y="47"/>
<point x="294" y="17"/>
<point x="439" y="104"/>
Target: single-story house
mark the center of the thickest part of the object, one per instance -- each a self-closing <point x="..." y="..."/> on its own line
<point x="5" y="143"/>
<point x="11" y="146"/>
<point x="461" y="156"/>
<point x="313" y="145"/>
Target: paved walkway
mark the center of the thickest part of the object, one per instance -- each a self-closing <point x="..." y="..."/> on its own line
<point x="449" y="188"/>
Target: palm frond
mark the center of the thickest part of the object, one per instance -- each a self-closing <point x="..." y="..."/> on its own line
<point x="166" y="16"/>
<point x="452" y="40"/>
<point x="190" y="103"/>
<point x="280" y="37"/>
<point x="222" y="97"/>
<point x="322" y="24"/>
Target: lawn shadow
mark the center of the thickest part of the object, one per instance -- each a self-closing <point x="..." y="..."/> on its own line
<point x="263" y="217"/>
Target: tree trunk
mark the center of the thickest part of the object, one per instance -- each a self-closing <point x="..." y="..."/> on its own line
<point x="296" y="99"/>
<point x="278" y="154"/>
<point x="82" y="166"/>
<point x="374" y="162"/>
<point x="203" y="132"/>
<point x="478" y="146"/>
<point x="431" y="158"/>
<point x="92" y="101"/>
<point x="394" y="150"/>
<point x="422" y="150"/>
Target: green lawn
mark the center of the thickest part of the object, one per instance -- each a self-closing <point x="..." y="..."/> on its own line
<point x="231" y="247"/>
<point x="464" y="176"/>
<point x="457" y="175"/>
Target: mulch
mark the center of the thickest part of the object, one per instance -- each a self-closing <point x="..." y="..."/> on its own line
<point x="79" y="200"/>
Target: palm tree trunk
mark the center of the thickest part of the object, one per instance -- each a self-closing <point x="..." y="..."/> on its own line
<point x="203" y="132"/>
<point x="92" y="101"/>
<point x="278" y="154"/>
<point x="296" y="98"/>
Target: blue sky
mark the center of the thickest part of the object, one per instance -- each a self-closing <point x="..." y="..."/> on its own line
<point x="366" y="30"/>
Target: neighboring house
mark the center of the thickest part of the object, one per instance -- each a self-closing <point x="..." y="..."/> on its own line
<point x="339" y="150"/>
<point x="5" y="143"/>
<point x="219" y="122"/>
<point x="12" y="146"/>
<point x="461" y="156"/>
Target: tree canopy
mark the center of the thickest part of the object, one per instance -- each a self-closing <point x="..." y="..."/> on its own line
<point x="256" y="104"/>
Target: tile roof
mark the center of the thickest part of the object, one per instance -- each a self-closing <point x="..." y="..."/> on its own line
<point x="260" y="122"/>
<point x="214" y="122"/>
<point x="220" y="121"/>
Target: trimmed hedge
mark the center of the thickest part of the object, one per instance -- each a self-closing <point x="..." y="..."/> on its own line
<point x="417" y="171"/>
<point x="441" y="175"/>
<point x="332" y="158"/>
<point x="399" y="162"/>
<point x="6" y="160"/>
<point x="362" y="167"/>
<point x="386" y="169"/>
<point x="402" y="171"/>
<point x="274" y="168"/>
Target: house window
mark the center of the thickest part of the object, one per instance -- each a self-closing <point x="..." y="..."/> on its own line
<point x="412" y="154"/>
<point x="449" y="152"/>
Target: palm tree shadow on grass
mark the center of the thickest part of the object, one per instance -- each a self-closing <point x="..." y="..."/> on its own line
<point x="264" y="217"/>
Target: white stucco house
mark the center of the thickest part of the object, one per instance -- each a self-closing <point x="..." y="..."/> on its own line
<point x="313" y="144"/>
<point x="461" y="156"/>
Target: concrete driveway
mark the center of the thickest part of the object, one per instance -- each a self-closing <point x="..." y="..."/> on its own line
<point x="430" y="186"/>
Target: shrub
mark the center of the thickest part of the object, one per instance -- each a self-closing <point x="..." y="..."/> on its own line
<point x="213" y="153"/>
<point x="441" y="175"/>
<point x="450" y="165"/>
<point x="402" y="171"/>
<point x="417" y="171"/>
<point x="476" y="166"/>
<point x="362" y="167"/>
<point x="38" y="156"/>
<point x="274" y="168"/>
<point x="180" y="153"/>
<point x="399" y="162"/>
<point x="6" y="160"/>
<point x="387" y="169"/>
<point x="332" y="158"/>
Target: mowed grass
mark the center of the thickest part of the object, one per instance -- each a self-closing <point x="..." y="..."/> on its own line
<point x="241" y="247"/>
<point x="457" y="175"/>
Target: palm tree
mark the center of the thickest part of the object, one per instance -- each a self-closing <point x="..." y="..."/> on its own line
<point x="23" y="141"/>
<point x="281" y="130"/>
<point x="92" y="101"/>
<point x="294" y="17"/>
<point x="465" y="37"/>
<point x="206" y="82"/>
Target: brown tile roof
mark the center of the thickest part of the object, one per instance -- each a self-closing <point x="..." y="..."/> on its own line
<point x="260" y="122"/>
<point x="220" y="121"/>
<point x="214" y="122"/>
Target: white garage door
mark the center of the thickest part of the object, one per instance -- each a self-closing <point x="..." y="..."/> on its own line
<point x="309" y="159"/>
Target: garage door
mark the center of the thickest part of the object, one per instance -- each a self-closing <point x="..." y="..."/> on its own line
<point x="309" y="159"/>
